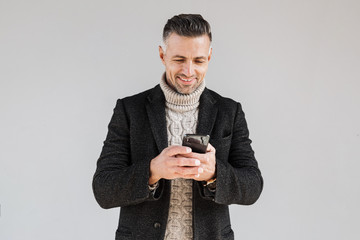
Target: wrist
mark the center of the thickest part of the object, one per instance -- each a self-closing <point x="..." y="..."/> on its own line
<point x="153" y="180"/>
<point x="153" y="187"/>
<point x="211" y="184"/>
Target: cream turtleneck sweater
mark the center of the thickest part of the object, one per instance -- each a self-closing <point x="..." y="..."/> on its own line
<point x="181" y="118"/>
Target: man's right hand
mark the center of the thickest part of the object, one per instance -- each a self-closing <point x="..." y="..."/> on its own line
<point x="169" y="164"/>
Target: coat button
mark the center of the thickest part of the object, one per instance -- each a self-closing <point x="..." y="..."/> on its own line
<point x="157" y="225"/>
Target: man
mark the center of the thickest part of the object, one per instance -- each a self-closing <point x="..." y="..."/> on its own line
<point x="165" y="190"/>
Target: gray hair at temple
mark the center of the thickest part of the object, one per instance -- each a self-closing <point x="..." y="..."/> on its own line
<point x="187" y="25"/>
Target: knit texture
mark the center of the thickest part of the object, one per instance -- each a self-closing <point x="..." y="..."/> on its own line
<point x="181" y="102"/>
<point x="181" y="118"/>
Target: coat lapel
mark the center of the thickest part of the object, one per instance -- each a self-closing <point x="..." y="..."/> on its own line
<point x="207" y="113"/>
<point x="155" y="108"/>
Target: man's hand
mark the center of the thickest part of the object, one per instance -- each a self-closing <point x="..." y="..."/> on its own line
<point x="208" y="163"/>
<point x="179" y="162"/>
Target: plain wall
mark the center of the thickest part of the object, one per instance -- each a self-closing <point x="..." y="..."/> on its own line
<point x="294" y="66"/>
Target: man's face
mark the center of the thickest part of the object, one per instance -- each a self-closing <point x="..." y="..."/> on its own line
<point x="186" y="61"/>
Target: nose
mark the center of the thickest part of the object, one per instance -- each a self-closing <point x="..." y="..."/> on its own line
<point x="188" y="69"/>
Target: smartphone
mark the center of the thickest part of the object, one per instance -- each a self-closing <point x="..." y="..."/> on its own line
<point x="198" y="143"/>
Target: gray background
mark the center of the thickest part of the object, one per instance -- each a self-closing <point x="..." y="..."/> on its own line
<point x="294" y="65"/>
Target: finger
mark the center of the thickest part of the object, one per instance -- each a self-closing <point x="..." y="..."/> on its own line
<point x="201" y="156"/>
<point x="210" y="148"/>
<point x="185" y="171"/>
<point x="175" y="150"/>
<point x="195" y="176"/>
<point x="184" y="161"/>
<point x="191" y="176"/>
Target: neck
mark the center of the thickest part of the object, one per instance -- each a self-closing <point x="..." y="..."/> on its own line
<point x="180" y="101"/>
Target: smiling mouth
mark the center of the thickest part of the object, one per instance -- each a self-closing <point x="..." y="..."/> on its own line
<point x="187" y="79"/>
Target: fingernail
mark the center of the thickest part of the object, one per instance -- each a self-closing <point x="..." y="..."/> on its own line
<point x="188" y="150"/>
<point x="197" y="162"/>
<point x="201" y="170"/>
<point x="197" y="175"/>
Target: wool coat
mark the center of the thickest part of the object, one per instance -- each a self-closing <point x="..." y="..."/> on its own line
<point x="137" y="133"/>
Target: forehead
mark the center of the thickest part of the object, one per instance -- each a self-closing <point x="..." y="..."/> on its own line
<point x="187" y="46"/>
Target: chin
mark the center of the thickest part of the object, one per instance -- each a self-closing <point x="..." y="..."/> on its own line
<point x="186" y="90"/>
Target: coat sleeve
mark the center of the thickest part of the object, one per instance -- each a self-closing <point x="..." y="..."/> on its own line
<point x="117" y="181"/>
<point x="239" y="179"/>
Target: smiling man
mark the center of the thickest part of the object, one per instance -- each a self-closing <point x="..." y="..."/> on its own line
<point x="165" y="190"/>
<point x="186" y="61"/>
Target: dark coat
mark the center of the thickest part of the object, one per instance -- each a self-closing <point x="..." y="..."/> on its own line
<point x="137" y="134"/>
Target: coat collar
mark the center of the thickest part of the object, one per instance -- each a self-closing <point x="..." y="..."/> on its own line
<point x="207" y="113"/>
<point x="155" y="107"/>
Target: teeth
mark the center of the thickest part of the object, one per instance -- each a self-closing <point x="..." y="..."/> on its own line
<point x="186" y="80"/>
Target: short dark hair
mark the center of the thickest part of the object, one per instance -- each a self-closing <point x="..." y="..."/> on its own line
<point x="187" y="25"/>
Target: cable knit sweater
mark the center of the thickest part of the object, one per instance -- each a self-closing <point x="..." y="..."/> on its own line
<point x="181" y="118"/>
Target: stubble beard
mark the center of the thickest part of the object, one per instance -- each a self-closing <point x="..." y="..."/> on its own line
<point x="183" y="89"/>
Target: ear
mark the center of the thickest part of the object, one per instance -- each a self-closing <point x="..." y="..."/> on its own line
<point x="210" y="52"/>
<point x="161" y="54"/>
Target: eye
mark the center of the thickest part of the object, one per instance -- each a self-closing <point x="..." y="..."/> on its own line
<point x="179" y="60"/>
<point x="199" y="61"/>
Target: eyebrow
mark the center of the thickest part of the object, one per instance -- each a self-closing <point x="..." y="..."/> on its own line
<point x="197" y="58"/>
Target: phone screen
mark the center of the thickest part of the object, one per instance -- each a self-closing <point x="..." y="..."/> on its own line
<point x="198" y="143"/>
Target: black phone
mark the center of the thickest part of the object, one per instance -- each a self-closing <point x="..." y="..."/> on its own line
<point x="198" y="143"/>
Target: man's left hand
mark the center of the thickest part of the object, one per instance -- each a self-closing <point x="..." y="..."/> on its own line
<point x="207" y="163"/>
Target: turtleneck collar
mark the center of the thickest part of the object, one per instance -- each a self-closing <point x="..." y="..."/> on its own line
<point x="181" y="102"/>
